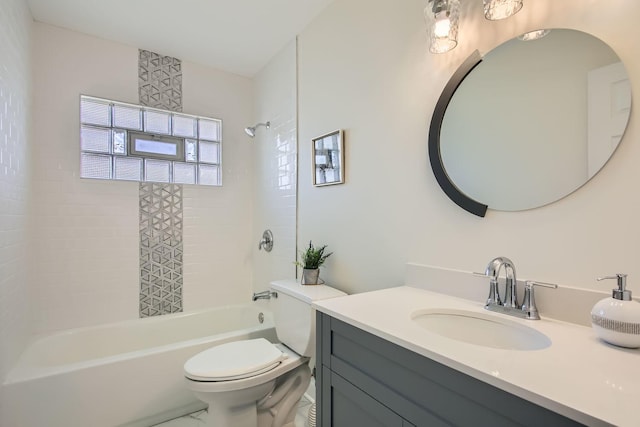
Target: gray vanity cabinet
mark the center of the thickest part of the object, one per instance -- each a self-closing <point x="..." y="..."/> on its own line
<point x="363" y="381"/>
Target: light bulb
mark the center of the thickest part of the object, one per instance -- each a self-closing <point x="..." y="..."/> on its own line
<point x="442" y="26"/>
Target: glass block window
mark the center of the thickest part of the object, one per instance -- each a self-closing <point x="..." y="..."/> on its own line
<point x="157" y="122"/>
<point x="120" y="141"/>
<point x="127" y="168"/>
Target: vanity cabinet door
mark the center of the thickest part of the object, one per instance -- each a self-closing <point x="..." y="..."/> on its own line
<point x="351" y="407"/>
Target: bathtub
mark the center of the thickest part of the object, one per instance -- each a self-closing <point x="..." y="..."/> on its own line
<point x="121" y="374"/>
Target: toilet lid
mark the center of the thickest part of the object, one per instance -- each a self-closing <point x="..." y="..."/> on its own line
<point x="234" y="360"/>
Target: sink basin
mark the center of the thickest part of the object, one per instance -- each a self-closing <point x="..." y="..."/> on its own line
<point x="480" y="329"/>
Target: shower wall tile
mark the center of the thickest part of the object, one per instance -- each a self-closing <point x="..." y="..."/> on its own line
<point x="86" y="251"/>
<point x="217" y="243"/>
<point x="15" y="146"/>
<point x="84" y="263"/>
<point x="275" y="168"/>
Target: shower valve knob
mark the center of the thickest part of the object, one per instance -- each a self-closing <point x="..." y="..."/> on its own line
<point x="267" y="241"/>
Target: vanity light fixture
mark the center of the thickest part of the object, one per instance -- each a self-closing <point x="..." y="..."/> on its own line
<point x="533" y="35"/>
<point x="501" y="9"/>
<point x="442" y="23"/>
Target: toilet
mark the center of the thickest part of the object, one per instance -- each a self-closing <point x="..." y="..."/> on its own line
<point x="255" y="383"/>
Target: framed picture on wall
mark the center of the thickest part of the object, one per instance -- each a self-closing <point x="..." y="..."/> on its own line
<point x="328" y="159"/>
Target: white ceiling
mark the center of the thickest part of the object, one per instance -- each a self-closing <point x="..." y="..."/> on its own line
<point x="239" y="36"/>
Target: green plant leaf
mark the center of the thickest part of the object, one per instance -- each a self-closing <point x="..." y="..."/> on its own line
<point x="313" y="257"/>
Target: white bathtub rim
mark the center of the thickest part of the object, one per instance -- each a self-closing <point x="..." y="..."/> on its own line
<point x="152" y="319"/>
<point x="24" y="371"/>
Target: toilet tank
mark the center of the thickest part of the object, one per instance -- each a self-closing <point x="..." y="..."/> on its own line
<point x="294" y="319"/>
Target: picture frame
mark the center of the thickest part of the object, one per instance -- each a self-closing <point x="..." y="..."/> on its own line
<point x="327" y="159"/>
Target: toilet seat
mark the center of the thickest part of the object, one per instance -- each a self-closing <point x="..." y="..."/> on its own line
<point x="291" y="361"/>
<point x="234" y="360"/>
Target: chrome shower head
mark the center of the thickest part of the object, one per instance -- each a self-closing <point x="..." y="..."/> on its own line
<point x="251" y="130"/>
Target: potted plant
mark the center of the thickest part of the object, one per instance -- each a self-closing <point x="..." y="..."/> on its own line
<point x="310" y="260"/>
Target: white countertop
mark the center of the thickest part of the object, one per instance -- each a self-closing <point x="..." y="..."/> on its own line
<point x="577" y="376"/>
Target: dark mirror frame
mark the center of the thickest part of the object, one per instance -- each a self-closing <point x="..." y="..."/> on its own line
<point x="435" y="157"/>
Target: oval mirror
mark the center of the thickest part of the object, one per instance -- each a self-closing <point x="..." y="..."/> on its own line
<point x="530" y="122"/>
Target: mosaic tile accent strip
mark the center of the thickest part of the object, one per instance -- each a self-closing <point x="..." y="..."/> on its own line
<point x="159" y="81"/>
<point x="160" y="86"/>
<point x="160" y="249"/>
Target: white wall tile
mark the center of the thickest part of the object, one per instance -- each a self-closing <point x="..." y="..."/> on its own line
<point x="217" y="221"/>
<point x="15" y="142"/>
<point x="275" y="166"/>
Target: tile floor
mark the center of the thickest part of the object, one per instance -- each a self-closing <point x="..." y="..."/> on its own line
<point x="198" y="419"/>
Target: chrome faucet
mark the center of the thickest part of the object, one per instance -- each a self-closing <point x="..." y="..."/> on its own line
<point x="493" y="271"/>
<point x="510" y="305"/>
<point x="264" y="295"/>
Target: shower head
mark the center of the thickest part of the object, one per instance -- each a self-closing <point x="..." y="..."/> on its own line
<point x="251" y="130"/>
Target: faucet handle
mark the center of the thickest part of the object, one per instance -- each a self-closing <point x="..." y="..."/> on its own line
<point x="529" y="302"/>
<point x="267" y="241"/>
<point x="494" y="294"/>
<point x="531" y="283"/>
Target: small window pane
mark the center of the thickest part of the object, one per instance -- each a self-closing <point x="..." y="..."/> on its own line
<point x="119" y="142"/>
<point x="127" y="168"/>
<point x="184" y="126"/>
<point x="126" y="117"/>
<point x="157" y="170"/>
<point x="208" y="175"/>
<point x="149" y="146"/>
<point x="209" y="129"/>
<point x="209" y="152"/>
<point x="157" y="122"/>
<point x="95" y="112"/>
<point x="95" y="139"/>
<point x="95" y="166"/>
<point x="191" y="150"/>
<point x="184" y="173"/>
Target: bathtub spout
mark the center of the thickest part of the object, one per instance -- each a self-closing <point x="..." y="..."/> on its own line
<point x="264" y="295"/>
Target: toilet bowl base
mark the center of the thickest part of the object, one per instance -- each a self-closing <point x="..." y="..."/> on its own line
<point x="271" y="404"/>
<point x="279" y="408"/>
<point x="236" y="408"/>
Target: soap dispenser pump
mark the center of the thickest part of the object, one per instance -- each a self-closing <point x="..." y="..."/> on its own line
<point x="616" y="320"/>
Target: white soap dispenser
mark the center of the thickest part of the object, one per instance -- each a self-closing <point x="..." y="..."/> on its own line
<point x="616" y="320"/>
